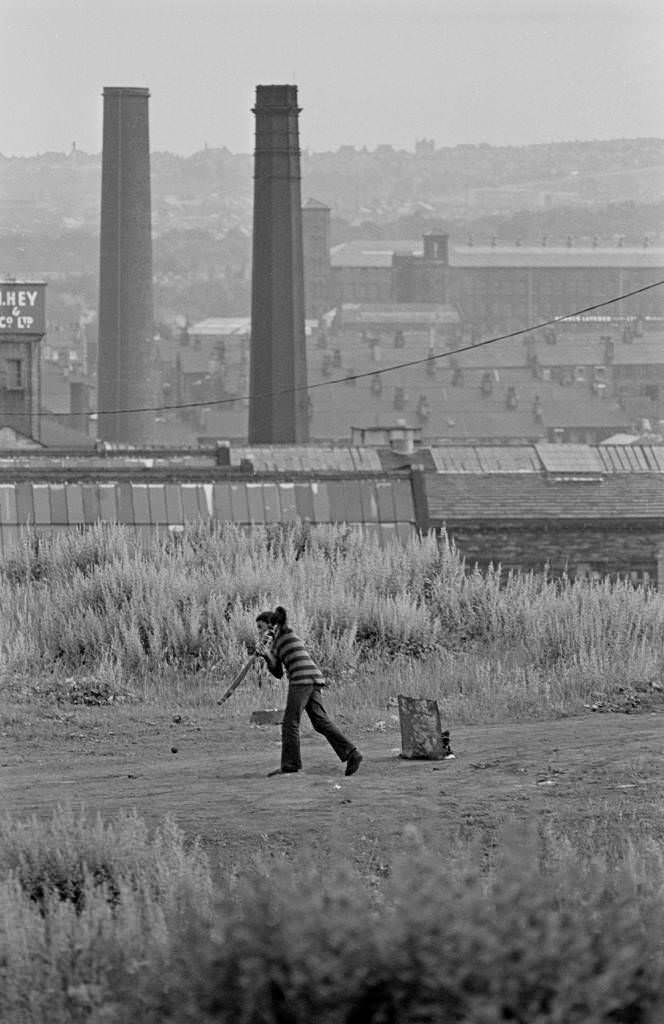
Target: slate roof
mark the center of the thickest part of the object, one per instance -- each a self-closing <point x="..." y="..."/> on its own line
<point x="492" y="497"/>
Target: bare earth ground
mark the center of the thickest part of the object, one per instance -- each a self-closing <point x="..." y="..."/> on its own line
<point x="572" y="772"/>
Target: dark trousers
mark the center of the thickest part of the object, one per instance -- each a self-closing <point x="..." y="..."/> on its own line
<point x="306" y="697"/>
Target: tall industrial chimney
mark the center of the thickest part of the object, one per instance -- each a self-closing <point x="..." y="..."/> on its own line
<point x="278" y="413"/>
<point x="126" y="305"/>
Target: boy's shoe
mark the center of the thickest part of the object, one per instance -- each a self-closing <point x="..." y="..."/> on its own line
<point x="354" y="761"/>
<point x="282" y="771"/>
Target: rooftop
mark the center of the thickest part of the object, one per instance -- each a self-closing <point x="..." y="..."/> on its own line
<point x="378" y="253"/>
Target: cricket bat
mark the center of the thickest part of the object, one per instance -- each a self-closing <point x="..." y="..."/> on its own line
<point x="238" y="679"/>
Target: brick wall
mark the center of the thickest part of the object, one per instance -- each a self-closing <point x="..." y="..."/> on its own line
<point x="577" y="548"/>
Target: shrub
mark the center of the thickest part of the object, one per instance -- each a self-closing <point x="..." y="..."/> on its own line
<point x="444" y="943"/>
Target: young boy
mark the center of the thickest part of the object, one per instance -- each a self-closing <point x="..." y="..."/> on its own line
<point x="283" y="649"/>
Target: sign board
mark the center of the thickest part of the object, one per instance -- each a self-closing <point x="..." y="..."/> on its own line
<point x="22" y="307"/>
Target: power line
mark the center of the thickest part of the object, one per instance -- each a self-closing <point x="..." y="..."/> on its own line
<point x="367" y="373"/>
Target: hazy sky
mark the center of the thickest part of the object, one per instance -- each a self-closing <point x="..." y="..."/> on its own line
<point x="368" y="71"/>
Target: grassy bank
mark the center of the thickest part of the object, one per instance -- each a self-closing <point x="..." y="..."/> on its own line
<point x="170" y="619"/>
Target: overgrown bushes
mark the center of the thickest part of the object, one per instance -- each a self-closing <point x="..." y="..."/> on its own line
<point x="547" y="932"/>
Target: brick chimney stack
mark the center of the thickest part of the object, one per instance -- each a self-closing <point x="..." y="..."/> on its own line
<point x="126" y="305"/>
<point x="278" y="414"/>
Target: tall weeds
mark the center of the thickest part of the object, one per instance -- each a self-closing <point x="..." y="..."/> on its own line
<point x="144" y="614"/>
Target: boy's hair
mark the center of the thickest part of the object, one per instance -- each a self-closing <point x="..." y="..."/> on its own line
<point x="276" y="618"/>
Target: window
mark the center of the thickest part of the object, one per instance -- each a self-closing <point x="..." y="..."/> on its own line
<point x="14" y="374"/>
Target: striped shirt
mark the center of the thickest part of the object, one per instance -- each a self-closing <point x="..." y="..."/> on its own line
<point x="288" y="652"/>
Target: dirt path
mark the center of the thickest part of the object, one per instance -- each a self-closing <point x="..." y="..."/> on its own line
<point x="215" y="785"/>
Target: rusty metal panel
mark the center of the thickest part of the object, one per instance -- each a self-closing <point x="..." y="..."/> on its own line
<point x="421" y="733"/>
<point x="157" y="501"/>
<point x="369" y="501"/>
<point x="58" y="505"/>
<point x="353" y="501"/>
<point x="108" y="505"/>
<point x="91" y="504"/>
<point x="304" y="501"/>
<point x="74" y="503"/>
<point x="287" y="501"/>
<point x="321" y="499"/>
<point x="271" y="505"/>
<point x="403" y="501"/>
<point x="222" y="508"/>
<point x="255" y="503"/>
<point x="385" y="496"/>
<point x="25" y="512"/>
<point x="141" y="504"/>
<point x="190" y="507"/>
<point x="240" y="503"/>
<point x="337" y="498"/>
<point x="8" y="504"/>
<point x="125" y="504"/>
<point x="174" y="512"/>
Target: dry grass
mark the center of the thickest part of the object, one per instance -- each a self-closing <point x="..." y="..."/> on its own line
<point x="168" y="621"/>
